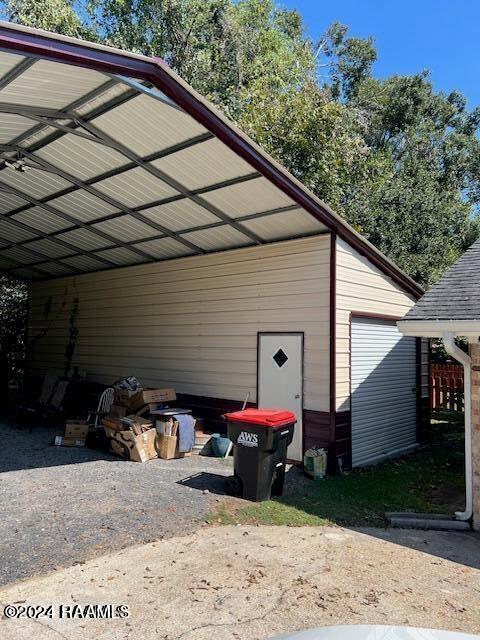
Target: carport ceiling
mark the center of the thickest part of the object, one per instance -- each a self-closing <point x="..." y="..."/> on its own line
<point x="108" y="159"/>
<point x="99" y="171"/>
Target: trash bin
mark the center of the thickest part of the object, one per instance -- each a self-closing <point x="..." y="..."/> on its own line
<point x="260" y="439"/>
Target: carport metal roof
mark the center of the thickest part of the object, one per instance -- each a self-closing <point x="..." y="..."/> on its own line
<point x="109" y="159"/>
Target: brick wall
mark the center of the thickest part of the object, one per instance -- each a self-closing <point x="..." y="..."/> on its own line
<point x="475" y="355"/>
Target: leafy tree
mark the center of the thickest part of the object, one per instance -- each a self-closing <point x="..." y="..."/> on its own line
<point x="13" y="314"/>
<point x="59" y="16"/>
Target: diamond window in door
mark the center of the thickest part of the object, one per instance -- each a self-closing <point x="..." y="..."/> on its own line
<point x="280" y="357"/>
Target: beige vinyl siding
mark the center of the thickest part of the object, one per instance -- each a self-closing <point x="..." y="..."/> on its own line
<point x="360" y="287"/>
<point x="192" y="323"/>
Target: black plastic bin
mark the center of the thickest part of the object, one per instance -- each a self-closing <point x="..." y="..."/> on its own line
<point x="260" y="439"/>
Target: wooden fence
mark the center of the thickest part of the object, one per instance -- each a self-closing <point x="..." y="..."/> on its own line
<point x="446" y="387"/>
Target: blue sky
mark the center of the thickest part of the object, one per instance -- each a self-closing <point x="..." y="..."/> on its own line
<point x="440" y="35"/>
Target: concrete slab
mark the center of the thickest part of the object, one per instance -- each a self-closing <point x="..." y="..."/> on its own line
<point x="250" y="583"/>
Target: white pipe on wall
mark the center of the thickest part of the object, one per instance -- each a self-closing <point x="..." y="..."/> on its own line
<point x="465" y="360"/>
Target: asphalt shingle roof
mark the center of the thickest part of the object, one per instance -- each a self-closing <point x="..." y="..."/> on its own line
<point x="456" y="296"/>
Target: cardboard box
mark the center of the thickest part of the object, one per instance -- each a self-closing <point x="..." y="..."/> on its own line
<point x="131" y="447"/>
<point x="76" y="429"/>
<point x="122" y="396"/>
<point x="167" y="447"/>
<point x="62" y="441"/>
<point x="113" y="423"/>
<point x="136" y="423"/>
<point x="151" y="396"/>
<point x="118" y="410"/>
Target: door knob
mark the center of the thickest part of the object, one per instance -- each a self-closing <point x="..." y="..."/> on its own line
<point x="297" y="395"/>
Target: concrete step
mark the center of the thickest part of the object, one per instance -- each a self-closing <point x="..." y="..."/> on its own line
<point x="436" y="521"/>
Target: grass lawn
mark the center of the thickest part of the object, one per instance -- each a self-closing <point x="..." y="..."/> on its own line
<point x="429" y="480"/>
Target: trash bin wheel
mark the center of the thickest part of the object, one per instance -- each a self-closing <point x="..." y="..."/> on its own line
<point x="279" y="481"/>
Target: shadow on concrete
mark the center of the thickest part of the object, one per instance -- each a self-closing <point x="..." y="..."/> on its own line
<point x="205" y="481"/>
<point x="23" y="450"/>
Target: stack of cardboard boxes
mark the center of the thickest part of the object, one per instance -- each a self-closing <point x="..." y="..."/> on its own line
<point x="129" y="431"/>
<point x="141" y="401"/>
<point x="74" y="434"/>
<point x="133" y="436"/>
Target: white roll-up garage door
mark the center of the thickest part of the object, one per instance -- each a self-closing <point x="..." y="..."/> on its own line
<point x="383" y="398"/>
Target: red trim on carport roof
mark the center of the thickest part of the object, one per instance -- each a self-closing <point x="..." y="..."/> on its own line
<point x="157" y="72"/>
<point x="81" y="54"/>
<point x="374" y="316"/>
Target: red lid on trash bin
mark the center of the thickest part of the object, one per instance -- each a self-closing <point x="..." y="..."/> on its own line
<point x="264" y="417"/>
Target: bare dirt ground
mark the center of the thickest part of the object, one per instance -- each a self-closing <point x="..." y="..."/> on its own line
<point x="241" y="582"/>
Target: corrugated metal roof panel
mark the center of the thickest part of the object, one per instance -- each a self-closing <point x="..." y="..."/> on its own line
<point x="146" y="125"/>
<point x="8" y="61"/>
<point x="135" y="187"/>
<point x="83" y="205"/>
<point x="20" y="254"/>
<point x="287" y="224"/>
<point x="225" y="237"/>
<point x="56" y="269"/>
<point x="121" y="256"/>
<point x="164" y="248"/>
<point x="41" y="219"/>
<point x="204" y="164"/>
<point x="12" y="125"/>
<point x="50" y="248"/>
<point x="34" y="182"/>
<point x="80" y="157"/>
<point x="182" y="214"/>
<point x="85" y="263"/>
<point x="6" y="263"/>
<point x="116" y="91"/>
<point x="52" y="85"/>
<point x="8" y="201"/>
<point x="29" y="274"/>
<point x="84" y="239"/>
<point x="12" y="233"/>
<point x="126" y="228"/>
<point x="253" y="196"/>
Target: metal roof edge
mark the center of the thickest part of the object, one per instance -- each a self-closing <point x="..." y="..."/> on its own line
<point x="105" y="59"/>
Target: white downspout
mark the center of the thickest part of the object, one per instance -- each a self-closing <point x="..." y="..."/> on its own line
<point x="465" y="360"/>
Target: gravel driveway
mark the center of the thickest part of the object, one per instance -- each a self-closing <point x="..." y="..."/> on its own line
<point x="249" y="583"/>
<point x="62" y="505"/>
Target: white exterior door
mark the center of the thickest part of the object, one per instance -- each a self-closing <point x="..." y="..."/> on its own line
<point x="383" y="398"/>
<point x="280" y="380"/>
